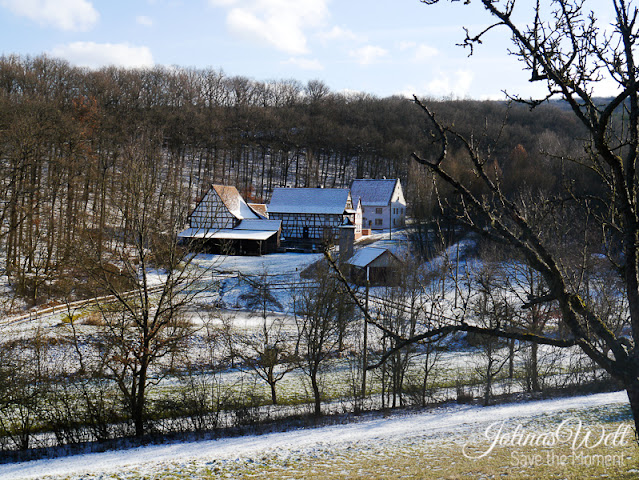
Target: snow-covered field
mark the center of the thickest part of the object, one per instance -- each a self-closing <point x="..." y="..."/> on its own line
<point x="426" y="429"/>
<point x="291" y="452"/>
<point x="280" y="263"/>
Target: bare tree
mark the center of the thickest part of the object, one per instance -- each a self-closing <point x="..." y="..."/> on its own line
<point x="316" y="316"/>
<point x="489" y="309"/>
<point x="566" y="48"/>
<point x="267" y="352"/>
<point x="401" y="309"/>
<point x="25" y="382"/>
<point x="523" y="282"/>
<point x="149" y="274"/>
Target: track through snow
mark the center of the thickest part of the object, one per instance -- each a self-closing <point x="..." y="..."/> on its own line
<point x="429" y="425"/>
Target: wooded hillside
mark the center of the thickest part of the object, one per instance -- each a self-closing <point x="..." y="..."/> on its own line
<point x="70" y="140"/>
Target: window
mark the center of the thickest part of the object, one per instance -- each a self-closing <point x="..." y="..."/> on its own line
<point x="378" y="211"/>
<point x="378" y="221"/>
<point x="363" y="209"/>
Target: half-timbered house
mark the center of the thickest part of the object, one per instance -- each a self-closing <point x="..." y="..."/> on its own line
<point x="222" y="222"/>
<point x="311" y="217"/>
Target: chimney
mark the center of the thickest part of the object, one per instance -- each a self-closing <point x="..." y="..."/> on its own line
<point x="346" y="241"/>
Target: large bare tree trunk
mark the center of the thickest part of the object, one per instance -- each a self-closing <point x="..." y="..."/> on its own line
<point x="317" y="399"/>
<point x="632" y="388"/>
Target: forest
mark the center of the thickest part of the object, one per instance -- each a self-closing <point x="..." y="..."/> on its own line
<point x="101" y="168"/>
<point x="70" y="138"/>
<point x="519" y="274"/>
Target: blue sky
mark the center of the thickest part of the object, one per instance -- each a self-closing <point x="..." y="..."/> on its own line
<point x="379" y="47"/>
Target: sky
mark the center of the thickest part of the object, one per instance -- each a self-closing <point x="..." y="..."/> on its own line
<point x="378" y="47"/>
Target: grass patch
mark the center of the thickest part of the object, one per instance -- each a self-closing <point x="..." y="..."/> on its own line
<point x="429" y="457"/>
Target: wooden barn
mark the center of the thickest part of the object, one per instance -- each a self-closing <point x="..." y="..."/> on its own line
<point x="222" y="222"/>
<point x="382" y="266"/>
<point x="311" y="217"/>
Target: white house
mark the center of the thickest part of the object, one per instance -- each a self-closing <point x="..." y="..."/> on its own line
<point x="383" y="203"/>
<point x="312" y="216"/>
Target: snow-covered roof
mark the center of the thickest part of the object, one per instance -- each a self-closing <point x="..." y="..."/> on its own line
<point x="247" y="229"/>
<point x="376" y="193"/>
<point x="366" y="256"/>
<point x="309" y="200"/>
<point x="234" y="202"/>
<point x="272" y="225"/>
<point x="226" y="234"/>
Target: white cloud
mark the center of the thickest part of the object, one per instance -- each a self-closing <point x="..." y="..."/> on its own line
<point x="607" y="87"/>
<point x="420" y="51"/>
<point x="96" y="55"/>
<point x="62" y="14"/>
<point x="407" y="45"/>
<point x="281" y="23"/>
<point x="368" y="54"/>
<point x="144" y="20"/>
<point x="424" y="52"/>
<point x="305" y="63"/>
<point x="338" y="33"/>
<point x="408" y="91"/>
<point x="458" y="86"/>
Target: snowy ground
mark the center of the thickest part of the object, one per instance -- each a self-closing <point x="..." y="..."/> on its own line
<point x="372" y="436"/>
<point x="457" y="423"/>
<point x="280" y="263"/>
<point x="224" y="279"/>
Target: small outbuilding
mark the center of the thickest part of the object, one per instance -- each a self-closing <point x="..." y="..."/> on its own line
<point x="380" y="264"/>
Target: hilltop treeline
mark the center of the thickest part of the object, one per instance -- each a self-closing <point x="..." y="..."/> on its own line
<point x="70" y="138"/>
